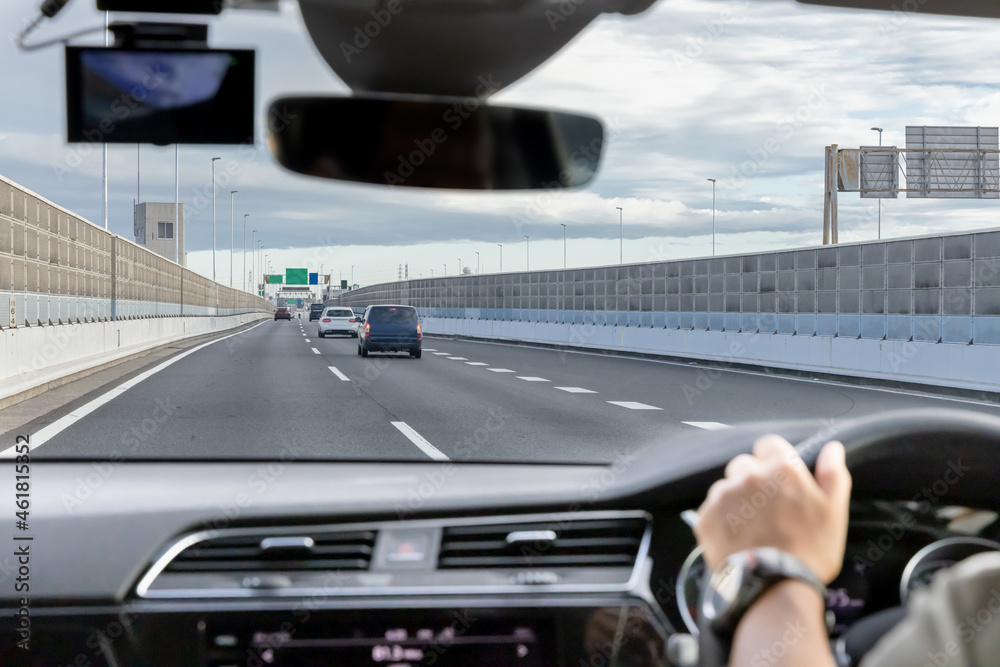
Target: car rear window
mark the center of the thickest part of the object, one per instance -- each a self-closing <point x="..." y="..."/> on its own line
<point x="395" y="315"/>
<point x="340" y="313"/>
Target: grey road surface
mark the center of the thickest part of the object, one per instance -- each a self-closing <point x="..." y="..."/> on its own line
<point x="277" y="391"/>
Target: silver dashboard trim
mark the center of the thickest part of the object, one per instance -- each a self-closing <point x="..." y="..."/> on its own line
<point x="682" y="607"/>
<point x="143" y="587"/>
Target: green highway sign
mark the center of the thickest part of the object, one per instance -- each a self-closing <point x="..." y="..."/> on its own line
<point x="343" y="284"/>
<point x="274" y="279"/>
<point x="296" y="276"/>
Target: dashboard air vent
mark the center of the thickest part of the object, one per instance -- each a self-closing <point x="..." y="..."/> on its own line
<point x="287" y="553"/>
<point x="581" y="543"/>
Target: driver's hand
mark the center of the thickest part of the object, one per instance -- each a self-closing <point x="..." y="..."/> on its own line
<point x="770" y="499"/>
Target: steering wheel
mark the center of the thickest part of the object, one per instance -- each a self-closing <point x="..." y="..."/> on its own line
<point x="926" y="440"/>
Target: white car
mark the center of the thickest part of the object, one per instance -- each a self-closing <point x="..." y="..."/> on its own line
<point x="337" y="321"/>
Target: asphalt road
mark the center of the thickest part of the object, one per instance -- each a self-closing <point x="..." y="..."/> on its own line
<point x="276" y="390"/>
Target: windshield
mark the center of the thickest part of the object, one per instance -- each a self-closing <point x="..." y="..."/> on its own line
<point x="794" y="218"/>
<point x="392" y="315"/>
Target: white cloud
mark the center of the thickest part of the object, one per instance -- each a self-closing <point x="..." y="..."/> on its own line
<point x="690" y="90"/>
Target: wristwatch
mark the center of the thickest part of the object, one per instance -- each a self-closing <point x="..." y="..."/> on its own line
<point x="743" y="578"/>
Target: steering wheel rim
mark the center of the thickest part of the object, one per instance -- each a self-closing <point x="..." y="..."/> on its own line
<point x="862" y="436"/>
<point x="865" y="439"/>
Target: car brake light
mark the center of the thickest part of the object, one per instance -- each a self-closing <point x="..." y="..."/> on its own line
<point x="368" y="329"/>
<point x="352" y="320"/>
<point x="326" y="319"/>
<point x="419" y="331"/>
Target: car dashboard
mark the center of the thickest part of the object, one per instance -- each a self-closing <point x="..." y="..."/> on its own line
<point x="290" y="563"/>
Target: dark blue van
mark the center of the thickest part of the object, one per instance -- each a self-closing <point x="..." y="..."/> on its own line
<point x="390" y="329"/>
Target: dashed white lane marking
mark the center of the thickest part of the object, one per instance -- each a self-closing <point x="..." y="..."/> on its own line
<point x="308" y="341"/>
<point x="576" y="390"/>
<point x="501" y="370"/>
<point x="710" y="426"/>
<point x="418" y="440"/>
<point x="336" y="372"/>
<point x="476" y="363"/>
<point x="632" y="405"/>
<point x="429" y="349"/>
<point x="442" y="354"/>
<point x="315" y="351"/>
<point x="48" y="432"/>
<point x="457" y="358"/>
<point x="531" y="378"/>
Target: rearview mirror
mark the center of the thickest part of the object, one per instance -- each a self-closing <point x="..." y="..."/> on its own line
<point x="459" y="143"/>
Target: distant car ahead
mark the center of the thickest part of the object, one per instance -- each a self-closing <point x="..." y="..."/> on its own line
<point x="283" y="313"/>
<point x="338" y="321"/>
<point x="390" y="329"/>
<point x="315" y="310"/>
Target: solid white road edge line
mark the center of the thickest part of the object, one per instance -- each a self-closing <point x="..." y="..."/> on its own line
<point x="46" y="433"/>
<point x="418" y="440"/>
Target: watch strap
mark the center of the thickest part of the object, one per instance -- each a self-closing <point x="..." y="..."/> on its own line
<point x="762" y="568"/>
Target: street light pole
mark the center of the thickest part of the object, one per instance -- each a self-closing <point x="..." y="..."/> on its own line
<point x="564" y="243"/>
<point x="232" y="231"/>
<point x="501" y="257"/>
<point x="477" y="264"/>
<point x="459" y="266"/>
<point x="621" y="235"/>
<point x="879" y="130"/>
<point x="245" y="216"/>
<point x="213" y="216"/>
<point x="177" y="187"/>
<point x="253" y="261"/>
<point x="352" y="276"/>
<point x="713" y="216"/>
<point x="107" y="35"/>
<point x="527" y="255"/>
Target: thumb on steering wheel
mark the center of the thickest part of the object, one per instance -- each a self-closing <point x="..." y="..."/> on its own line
<point x="831" y="473"/>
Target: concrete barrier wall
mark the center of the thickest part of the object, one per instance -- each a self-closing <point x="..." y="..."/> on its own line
<point x="36" y="358"/>
<point x="61" y="269"/>
<point x="923" y="310"/>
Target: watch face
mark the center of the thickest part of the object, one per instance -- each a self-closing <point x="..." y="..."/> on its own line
<point x="724" y="586"/>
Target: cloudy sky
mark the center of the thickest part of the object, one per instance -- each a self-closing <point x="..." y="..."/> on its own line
<point x="748" y="93"/>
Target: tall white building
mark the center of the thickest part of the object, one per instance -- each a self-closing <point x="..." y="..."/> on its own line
<point x="154" y="228"/>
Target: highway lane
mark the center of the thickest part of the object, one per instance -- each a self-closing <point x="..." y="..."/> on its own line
<point x="278" y="391"/>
